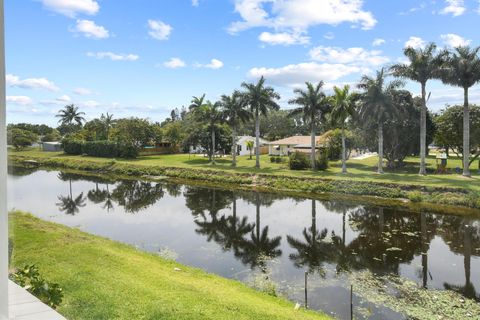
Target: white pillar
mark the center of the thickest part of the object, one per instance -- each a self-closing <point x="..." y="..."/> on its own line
<point x="3" y="180"/>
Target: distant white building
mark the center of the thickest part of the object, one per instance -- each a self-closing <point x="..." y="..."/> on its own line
<point x="52" y="146"/>
<point x="242" y="145"/>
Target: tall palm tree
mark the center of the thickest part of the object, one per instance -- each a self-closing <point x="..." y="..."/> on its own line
<point x="462" y="69"/>
<point x="424" y="64"/>
<point x="197" y="102"/>
<point x="343" y="103"/>
<point x="313" y="105"/>
<point x="108" y="122"/>
<point x="212" y="114"/>
<point x="377" y="105"/>
<point x="250" y="145"/>
<point x="70" y="114"/>
<point x="261" y="99"/>
<point x="234" y="112"/>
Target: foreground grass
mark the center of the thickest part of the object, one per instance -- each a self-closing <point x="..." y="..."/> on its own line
<point x="103" y="279"/>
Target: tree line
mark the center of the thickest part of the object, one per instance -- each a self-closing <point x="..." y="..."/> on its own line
<point x="379" y="115"/>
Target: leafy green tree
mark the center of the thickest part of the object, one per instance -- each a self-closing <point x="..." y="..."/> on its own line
<point x="449" y="133"/>
<point x="20" y="138"/>
<point x="377" y="105"/>
<point x="70" y="115"/>
<point x="54" y="135"/>
<point x="462" y="69"/>
<point x="134" y="131"/>
<point x="343" y="103"/>
<point x="261" y="100"/>
<point x="313" y="105"/>
<point x="173" y="132"/>
<point x="94" y="130"/>
<point x="424" y="64"/>
<point x="234" y="111"/>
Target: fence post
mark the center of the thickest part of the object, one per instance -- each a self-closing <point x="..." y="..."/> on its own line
<point x="351" y="302"/>
<point x="306" y="283"/>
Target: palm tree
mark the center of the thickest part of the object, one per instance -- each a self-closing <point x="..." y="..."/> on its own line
<point x="462" y="69"/>
<point x="314" y="104"/>
<point x="108" y="122"/>
<point x="261" y="99"/>
<point x="424" y="64"/>
<point x="343" y="108"/>
<point x="70" y="114"/>
<point x="197" y="102"/>
<point x="250" y="145"/>
<point x="377" y="105"/>
<point x="234" y="112"/>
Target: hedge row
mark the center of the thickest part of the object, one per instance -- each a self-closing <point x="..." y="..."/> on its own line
<point x="104" y="149"/>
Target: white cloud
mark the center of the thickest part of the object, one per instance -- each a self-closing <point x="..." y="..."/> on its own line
<point x="329" y="36"/>
<point x="353" y="56"/>
<point x="19" y="100"/>
<point x="159" y="30"/>
<point x="89" y="104"/>
<point x="454" y="40"/>
<point x="82" y="91"/>
<point x="299" y="15"/>
<point x="214" y="64"/>
<point x="64" y="98"/>
<point x="113" y="56"/>
<point x="91" y="30"/>
<point x="71" y="8"/>
<point x="195" y="3"/>
<point x="296" y="74"/>
<point x="175" y="63"/>
<point x="378" y="42"/>
<point x="30" y="83"/>
<point x="283" y="38"/>
<point x="454" y="7"/>
<point x="415" y="42"/>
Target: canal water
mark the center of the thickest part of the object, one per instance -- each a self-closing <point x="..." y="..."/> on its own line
<point x="268" y="240"/>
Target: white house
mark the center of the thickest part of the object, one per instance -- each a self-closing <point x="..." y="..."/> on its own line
<point x="284" y="147"/>
<point x="242" y="145"/>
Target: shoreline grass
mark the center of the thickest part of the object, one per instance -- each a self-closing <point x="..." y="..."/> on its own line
<point x="104" y="279"/>
<point x="407" y="188"/>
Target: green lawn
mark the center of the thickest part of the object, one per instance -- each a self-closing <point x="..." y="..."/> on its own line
<point x="103" y="279"/>
<point x="362" y="170"/>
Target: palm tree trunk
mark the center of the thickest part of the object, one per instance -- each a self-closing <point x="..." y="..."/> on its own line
<point x="234" y="146"/>
<point x="257" y="139"/>
<point x="423" y="132"/>
<point x="213" y="144"/>
<point x="466" y="134"/>
<point x="71" y="194"/>
<point x="312" y="141"/>
<point x="344" y="152"/>
<point x="380" y="148"/>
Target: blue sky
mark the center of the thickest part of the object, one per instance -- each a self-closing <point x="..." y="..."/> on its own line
<point x="145" y="57"/>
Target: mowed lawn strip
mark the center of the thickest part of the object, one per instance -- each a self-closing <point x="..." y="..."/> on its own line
<point x="359" y="170"/>
<point x="103" y="279"/>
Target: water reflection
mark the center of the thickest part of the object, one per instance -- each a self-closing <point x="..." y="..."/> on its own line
<point x="331" y="240"/>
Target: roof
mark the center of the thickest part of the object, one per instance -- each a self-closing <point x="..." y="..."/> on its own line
<point x="298" y="140"/>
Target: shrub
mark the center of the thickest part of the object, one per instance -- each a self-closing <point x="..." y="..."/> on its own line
<point x="104" y="149"/>
<point x="298" y="161"/>
<point x="272" y="159"/>
<point x="20" y="138"/>
<point x="415" y="196"/>
<point x="321" y="162"/>
<point x="29" y="277"/>
<point x="278" y="159"/>
<point x="71" y="146"/>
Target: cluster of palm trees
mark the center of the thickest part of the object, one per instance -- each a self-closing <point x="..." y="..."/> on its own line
<point x="256" y="99"/>
<point x="373" y="104"/>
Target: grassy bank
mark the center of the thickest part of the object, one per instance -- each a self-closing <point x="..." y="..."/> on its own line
<point x="450" y="189"/>
<point x="103" y="279"/>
